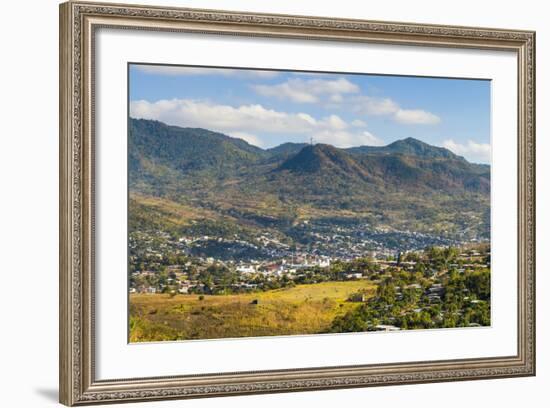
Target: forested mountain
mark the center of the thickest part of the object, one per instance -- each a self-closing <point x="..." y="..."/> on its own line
<point x="187" y="178"/>
<point x="408" y="146"/>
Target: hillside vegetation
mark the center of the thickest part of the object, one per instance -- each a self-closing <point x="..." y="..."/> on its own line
<point x="303" y="309"/>
<point x="197" y="181"/>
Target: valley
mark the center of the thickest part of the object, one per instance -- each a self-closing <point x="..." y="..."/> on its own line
<point x="227" y="239"/>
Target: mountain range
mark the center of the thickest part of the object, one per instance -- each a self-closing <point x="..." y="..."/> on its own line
<point x="189" y="178"/>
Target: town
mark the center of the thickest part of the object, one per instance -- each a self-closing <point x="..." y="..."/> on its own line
<point x="438" y="286"/>
<point x="162" y="263"/>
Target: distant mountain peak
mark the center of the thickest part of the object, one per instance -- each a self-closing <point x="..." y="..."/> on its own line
<point x="322" y="148"/>
<point x="286" y="149"/>
<point x="322" y="158"/>
<point x="408" y="146"/>
<point x="172" y="160"/>
<point x="410" y="141"/>
<point x="188" y="149"/>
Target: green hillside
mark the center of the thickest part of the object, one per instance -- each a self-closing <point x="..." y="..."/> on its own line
<point x="229" y="187"/>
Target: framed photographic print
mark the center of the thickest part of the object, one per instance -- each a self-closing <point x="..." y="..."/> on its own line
<point x="256" y="203"/>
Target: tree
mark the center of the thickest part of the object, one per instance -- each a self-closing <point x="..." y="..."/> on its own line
<point x="479" y="283"/>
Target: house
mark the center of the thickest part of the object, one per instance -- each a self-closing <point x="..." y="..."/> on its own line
<point x="436" y="289"/>
<point x="272" y="269"/>
<point x="246" y="269"/>
<point x="324" y="263"/>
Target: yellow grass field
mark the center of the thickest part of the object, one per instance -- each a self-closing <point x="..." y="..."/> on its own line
<point x="303" y="309"/>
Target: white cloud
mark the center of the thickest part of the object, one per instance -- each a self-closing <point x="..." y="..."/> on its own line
<point x="374" y="106"/>
<point x="308" y="91"/>
<point x="343" y="138"/>
<point x="247" y="137"/>
<point x="371" y="140"/>
<point x="334" y="122"/>
<point x="473" y="151"/>
<point x="334" y="93"/>
<point x="174" y="70"/>
<point x="358" y="123"/>
<point x="245" y="118"/>
<point x="341" y="93"/>
<point x="308" y="118"/>
<point x="247" y="121"/>
<point x="416" y="117"/>
<point x="368" y="105"/>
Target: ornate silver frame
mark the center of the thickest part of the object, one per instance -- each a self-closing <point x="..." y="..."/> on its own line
<point x="78" y="22"/>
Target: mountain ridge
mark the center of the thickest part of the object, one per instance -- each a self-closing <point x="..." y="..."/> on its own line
<point x="407" y="146"/>
<point x="407" y="183"/>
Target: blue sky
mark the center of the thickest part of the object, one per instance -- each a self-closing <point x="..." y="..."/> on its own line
<point x="267" y="108"/>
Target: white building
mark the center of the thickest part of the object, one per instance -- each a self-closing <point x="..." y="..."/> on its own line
<point x="324" y="263"/>
<point x="246" y="269"/>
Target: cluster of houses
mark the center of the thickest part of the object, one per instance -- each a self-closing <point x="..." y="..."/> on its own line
<point x="283" y="266"/>
<point x="338" y="242"/>
<point x="293" y="263"/>
<point x="291" y="267"/>
<point x="248" y="270"/>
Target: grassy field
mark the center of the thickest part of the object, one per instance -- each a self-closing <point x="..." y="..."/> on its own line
<point x="303" y="309"/>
